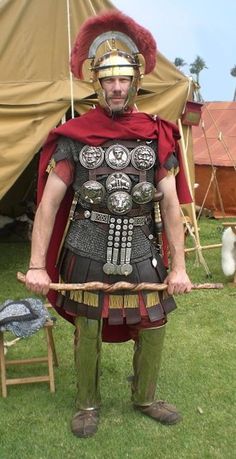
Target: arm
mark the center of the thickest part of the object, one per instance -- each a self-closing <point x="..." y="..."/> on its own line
<point x="177" y="279"/>
<point x="38" y="280"/>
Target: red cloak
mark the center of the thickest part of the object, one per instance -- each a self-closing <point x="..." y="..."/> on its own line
<point x="94" y="128"/>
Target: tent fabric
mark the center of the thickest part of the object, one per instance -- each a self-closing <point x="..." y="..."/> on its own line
<point x="35" y="89"/>
<point x="219" y="146"/>
<point x="214" y="150"/>
<point x="221" y="198"/>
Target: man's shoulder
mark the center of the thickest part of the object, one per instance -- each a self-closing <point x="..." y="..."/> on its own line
<point x="77" y="120"/>
<point x="70" y="127"/>
<point x="154" y="117"/>
<point x="169" y="125"/>
<point x="166" y="122"/>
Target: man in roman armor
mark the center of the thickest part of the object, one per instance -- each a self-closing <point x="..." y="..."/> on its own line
<point x="111" y="233"/>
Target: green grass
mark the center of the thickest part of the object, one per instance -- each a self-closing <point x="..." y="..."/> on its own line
<point x="197" y="374"/>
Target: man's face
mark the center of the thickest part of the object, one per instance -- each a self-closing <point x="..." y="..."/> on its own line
<point x="116" y="91"/>
<point x="118" y="153"/>
<point x="90" y="156"/>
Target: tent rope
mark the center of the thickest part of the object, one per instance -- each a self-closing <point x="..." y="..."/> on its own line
<point x="190" y="82"/>
<point x="213" y="169"/>
<point x="92" y="8"/>
<point x="206" y="194"/>
<point x="198" y="246"/>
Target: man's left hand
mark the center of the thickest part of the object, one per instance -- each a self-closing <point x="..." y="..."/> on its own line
<point x="178" y="282"/>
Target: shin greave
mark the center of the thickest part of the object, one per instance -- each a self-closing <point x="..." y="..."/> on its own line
<point x="146" y="364"/>
<point x="88" y="343"/>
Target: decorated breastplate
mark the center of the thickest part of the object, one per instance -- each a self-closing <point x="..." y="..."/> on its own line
<point x="114" y="185"/>
<point x="120" y="175"/>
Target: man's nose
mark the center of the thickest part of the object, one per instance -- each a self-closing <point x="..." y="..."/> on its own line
<point x="116" y="85"/>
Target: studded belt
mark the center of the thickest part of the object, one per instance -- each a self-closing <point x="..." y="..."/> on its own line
<point x="119" y="239"/>
<point x="101" y="217"/>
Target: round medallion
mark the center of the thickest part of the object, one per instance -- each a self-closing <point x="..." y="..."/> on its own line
<point x="118" y="181"/>
<point x="119" y="203"/>
<point x="92" y="192"/>
<point x="126" y="269"/>
<point x="117" y="156"/>
<point x="143" y="192"/>
<point x="109" y="268"/>
<point x="91" y="157"/>
<point x="143" y="157"/>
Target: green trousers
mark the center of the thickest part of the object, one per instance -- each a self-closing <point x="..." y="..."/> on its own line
<point x="146" y="363"/>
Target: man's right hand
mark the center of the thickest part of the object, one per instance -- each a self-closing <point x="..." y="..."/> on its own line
<point x="38" y="281"/>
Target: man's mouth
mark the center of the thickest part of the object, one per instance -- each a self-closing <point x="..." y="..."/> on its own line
<point x="117" y="99"/>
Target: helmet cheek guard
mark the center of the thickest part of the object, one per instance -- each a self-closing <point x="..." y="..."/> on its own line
<point x="114" y="64"/>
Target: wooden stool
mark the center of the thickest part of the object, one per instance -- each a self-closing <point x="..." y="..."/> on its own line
<point x="50" y="358"/>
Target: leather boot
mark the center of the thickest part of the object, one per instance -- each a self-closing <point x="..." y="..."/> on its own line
<point x="162" y="412"/>
<point x="85" y="423"/>
<point x="88" y="343"/>
<point x="146" y="364"/>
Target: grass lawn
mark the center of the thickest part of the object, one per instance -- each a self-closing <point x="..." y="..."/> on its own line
<point x="197" y="374"/>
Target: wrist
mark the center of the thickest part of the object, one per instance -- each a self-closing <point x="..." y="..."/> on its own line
<point x="43" y="268"/>
<point x="178" y="268"/>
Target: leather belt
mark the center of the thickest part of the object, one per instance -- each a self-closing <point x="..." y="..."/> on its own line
<point x="105" y="218"/>
<point x="100" y="217"/>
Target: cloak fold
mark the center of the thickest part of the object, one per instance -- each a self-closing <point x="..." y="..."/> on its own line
<point x="95" y="128"/>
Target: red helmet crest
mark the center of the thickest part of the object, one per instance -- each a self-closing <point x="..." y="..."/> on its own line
<point x="105" y="25"/>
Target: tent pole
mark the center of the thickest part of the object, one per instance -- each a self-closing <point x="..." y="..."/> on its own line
<point x="69" y="52"/>
<point x="205" y="247"/>
<point x="198" y="247"/>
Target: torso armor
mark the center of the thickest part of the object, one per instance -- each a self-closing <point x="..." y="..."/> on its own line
<point x="114" y="190"/>
<point x="111" y="231"/>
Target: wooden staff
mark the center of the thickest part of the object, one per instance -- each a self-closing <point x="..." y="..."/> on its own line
<point x="110" y="288"/>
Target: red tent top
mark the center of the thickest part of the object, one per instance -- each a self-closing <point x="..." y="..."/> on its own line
<point x="214" y="140"/>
